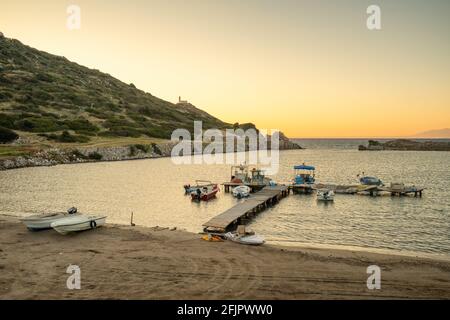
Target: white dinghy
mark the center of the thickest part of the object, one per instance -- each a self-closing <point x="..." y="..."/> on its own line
<point x="325" y="195"/>
<point x="241" y="192"/>
<point x="44" y="221"/>
<point x="253" y="240"/>
<point x="78" y="223"/>
<point x="244" y="236"/>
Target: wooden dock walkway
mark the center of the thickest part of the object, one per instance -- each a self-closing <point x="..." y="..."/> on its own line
<point x="246" y="209"/>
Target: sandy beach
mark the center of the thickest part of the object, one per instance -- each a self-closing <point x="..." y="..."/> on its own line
<point x="121" y="262"/>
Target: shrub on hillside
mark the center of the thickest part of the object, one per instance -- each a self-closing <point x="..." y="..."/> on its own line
<point x="5" y="96"/>
<point x="156" y="149"/>
<point x="121" y="132"/>
<point x="95" y="156"/>
<point x="39" y="124"/>
<point x="81" y="125"/>
<point x="65" y="137"/>
<point x="143" y="148"/>
<point x="7" y="135"/>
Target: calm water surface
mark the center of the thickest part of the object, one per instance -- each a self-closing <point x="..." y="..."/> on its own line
<point x="152" y="189"/>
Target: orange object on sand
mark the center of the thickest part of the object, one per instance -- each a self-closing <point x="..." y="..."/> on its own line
<point x="209" y="237"/>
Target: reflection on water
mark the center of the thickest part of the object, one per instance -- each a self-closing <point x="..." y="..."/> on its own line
<point x="153" y="190"/>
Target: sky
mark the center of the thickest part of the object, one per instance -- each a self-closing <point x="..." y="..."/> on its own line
<point x="310" y="68"/>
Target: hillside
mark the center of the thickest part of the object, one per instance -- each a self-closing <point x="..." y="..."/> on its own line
<point x="56" y="111"/>
<point x="46" y="94"/>
<point x="441" y="133"/>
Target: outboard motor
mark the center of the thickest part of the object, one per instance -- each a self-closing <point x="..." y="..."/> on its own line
<point x="72" y="210"/>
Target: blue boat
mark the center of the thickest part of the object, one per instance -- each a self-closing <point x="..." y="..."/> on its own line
<point x="370" y="181"/>
<point x="304" y="174"/>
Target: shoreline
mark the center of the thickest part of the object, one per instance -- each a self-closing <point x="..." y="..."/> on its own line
<point x="371" y="250"/>
<point x="76" y="155"/>
<point x="294" y="245"/>
<point x="124" y="262"/>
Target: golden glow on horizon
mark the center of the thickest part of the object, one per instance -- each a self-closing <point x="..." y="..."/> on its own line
<point x="309" y="68"/>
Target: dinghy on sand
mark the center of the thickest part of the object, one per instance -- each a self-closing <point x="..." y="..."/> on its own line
<point x="253" y="240"/>
<point x="43" y="221"/>
<point x="78" y="223"/>
<point x="244" y="236"/>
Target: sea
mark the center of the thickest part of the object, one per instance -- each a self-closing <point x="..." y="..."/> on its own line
<point x="152" y="189"/>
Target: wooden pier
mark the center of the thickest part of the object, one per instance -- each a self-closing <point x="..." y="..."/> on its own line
<point x="416" y="191"/>
<point x="394" y="189"/>
<point x="247" y="209"/>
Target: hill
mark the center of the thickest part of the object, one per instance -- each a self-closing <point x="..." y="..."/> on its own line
<point x="46" y="94"/>
<point x="54" y="111"/>
<point x="440" y="133"/>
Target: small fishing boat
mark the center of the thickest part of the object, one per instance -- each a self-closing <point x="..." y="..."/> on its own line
<point x="188" y="189"/>
<point x="252" y="239"/>
<point x="44" y="221"/>
<point x="304" y="174"/>
<point x="325" y="195"/>
<point x="241" y="192"/>
<point x="369" y="181"/>
<point x="78" y="223"/>
<point x="242" y="174"/>
<point x="205" y="193"/>
<point x="239" y="174"/>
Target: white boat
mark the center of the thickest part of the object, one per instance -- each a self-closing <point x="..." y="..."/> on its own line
<point x="253" y="240"/>
<point x="241" y="192"/>
<point x="325" y="195"/>
<point x="44" y="221"/>
<point x="78" y="223"/>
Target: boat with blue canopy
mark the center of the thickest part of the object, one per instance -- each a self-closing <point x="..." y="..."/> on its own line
<point x="304" y="174"/>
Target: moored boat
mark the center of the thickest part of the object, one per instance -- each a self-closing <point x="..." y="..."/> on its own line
<point x="44" y="221"/>
<point x="78" y="223"/>
<point x="325" y="195"/>
<point x="369" y="181"/>
<point x="241" y="192"/>
<point x="304" y="175"/>
<point x="253" y="239"/>
<point x="254" y="177"/>
<point x="205" y="193"/>
<point x="199" y="184"/>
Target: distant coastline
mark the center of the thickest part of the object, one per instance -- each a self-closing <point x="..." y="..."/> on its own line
<point x="406" y="145"/>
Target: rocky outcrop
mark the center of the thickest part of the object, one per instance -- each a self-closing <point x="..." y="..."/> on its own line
<point x="406" y="145"/>
<point x="54" y="156"/>
<point x="287" y="144"/>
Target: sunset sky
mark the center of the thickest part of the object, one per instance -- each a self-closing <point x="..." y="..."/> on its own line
<point x="310" y="68"/>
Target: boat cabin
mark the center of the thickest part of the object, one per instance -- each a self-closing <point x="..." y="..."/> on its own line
<point x="239" y="174"/>
<point x="258" y="177"/>
<point x="304" y="174"/>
